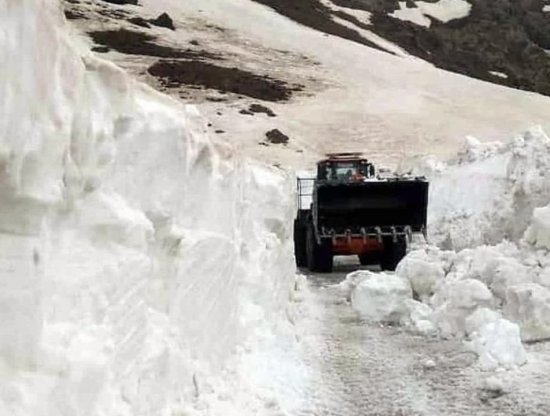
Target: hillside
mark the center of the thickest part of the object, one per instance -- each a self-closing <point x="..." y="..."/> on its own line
<point x="329" y="93"/>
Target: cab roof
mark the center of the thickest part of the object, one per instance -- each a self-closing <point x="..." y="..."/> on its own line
<point x="344" y="157"/>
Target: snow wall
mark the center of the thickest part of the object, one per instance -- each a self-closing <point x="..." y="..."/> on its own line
<point x="487" y="278"/>
<point x="488" y="192"/>
<point x="135" y="252"/>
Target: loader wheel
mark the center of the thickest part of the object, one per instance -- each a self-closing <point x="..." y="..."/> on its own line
<point x="367" y="259"/>
<point x="300" y="251"/>
<point x="393" y="253"/>
<point x="319" y="256"/>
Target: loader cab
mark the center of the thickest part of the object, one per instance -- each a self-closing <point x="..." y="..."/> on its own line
<point x="345" y="167"/>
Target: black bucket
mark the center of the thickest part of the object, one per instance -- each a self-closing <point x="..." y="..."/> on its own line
<point x="352" y="205"/>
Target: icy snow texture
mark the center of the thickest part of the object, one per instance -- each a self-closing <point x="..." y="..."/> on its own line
<point x="498" y="345"/>
<point x="381" y="297"/>
<point x="418" y="317"/>
<point x="528" y="304"/>
<point x="539" y="231"/>
<point x="454" y="301"/>
<point x="479" y="318"/>
<point x="135" y="252"/>
<point x="489" y="193"/>
<point x="423" y="274"/>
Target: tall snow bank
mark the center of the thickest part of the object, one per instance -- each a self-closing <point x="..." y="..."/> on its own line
<point x="489" y="192"/>
<point x="135" y="252"/>
<point x="488" y="278"/>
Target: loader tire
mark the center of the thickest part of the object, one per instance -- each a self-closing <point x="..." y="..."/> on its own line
<point x="300" y="236"/>
<point x="319" y="256"/>
<point x="370" y="258"/>
<point x="393" y="252"/>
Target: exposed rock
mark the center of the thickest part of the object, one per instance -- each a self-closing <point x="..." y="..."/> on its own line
<point x="258" y="108"/>
<point x="74" y="15"/>
<point x="139" y="21"/>
<point x="100" y="49"/>
<point x="122" y="2"/>
<point x="204" y="74"/>
<point x="275" y="136"/>
<point x="164" y="20"/>
<point x="500" y="41"/>
<point x="137" y="43"/>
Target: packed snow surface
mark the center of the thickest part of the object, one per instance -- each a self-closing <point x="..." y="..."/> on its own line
<point x="136" y="253"/>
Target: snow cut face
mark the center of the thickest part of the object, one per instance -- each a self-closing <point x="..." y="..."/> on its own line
<point x="136" y="252"/>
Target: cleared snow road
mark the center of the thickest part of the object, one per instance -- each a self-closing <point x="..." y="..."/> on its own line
<point x="365" y="369"/>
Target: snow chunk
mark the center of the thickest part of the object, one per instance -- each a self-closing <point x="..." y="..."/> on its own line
<point x="498" y="344"/>
<point x="418" y="317"/>
<point x="543" y="278"/>
<point x="479" y="318"/>
<point x="381" y="297"/>
<point x="507" y="273"/>
<point x="422" y="274"/>
<point x="348" y="285"/>
<point x="529" y="305"/>
<point x="454" y="301"/>
<point x="538" y="233"/>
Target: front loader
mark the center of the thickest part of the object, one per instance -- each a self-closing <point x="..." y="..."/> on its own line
<point x="348" y="209"/>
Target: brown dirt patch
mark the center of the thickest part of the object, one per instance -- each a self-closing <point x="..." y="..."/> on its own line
<point x="137" y="43"/>
<point x="275" y="136"/>
<point x="173" y="74"/>
<point x="122" y="2"/>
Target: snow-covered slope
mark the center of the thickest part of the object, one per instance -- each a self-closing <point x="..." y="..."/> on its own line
<point x="354" y="97"/>
<point x="135" y="252"/>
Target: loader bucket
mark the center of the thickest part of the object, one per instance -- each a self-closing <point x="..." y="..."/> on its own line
<point x="350" y="205"/>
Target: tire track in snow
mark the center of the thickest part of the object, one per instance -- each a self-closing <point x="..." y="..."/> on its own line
<point x="365" y="369"/>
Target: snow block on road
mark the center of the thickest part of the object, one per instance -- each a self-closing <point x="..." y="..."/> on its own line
<point x="422" y="274"/>
<point x="381" y="297"/>
<point x="454" y="301"/>
<point x="498" y="344"/>
<point x="529" y="305"/>
<point x="479" y="318"/>
<point x="538" y="233"/>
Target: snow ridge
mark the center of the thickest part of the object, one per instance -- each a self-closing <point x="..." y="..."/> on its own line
<point x="136" y="252"/>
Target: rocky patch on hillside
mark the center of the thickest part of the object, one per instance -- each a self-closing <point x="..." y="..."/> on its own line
<point x="174" y="74"/>
<point x="175" y="64"/>
<point x="501" y="41"/>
